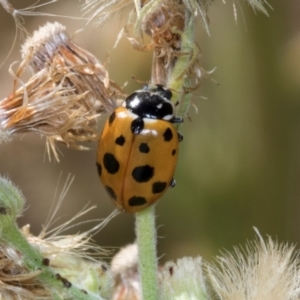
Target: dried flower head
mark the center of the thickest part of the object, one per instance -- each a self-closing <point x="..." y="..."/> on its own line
<point x="164" y="22"/>
<point x="262" y="271"/>
<point x="68" y="90"/>
<point x="159" y="26"/>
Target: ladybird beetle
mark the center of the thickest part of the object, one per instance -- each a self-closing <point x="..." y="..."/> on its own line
<point x="138" y="149"/>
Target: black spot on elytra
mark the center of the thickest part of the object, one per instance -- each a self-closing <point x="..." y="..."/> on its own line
<point x="137" y="125"/>
<point x="99" y="168"/>
<point x="173" y="152"/>
<point x="158" y="187"/>
<point x="137" y="201"/>
<point x="168" y="135"/>
<point x="144" y="148"/>
<point x="111" y="118"/>
<point x="120" y="140"/>
<point x="111" y="192"/>
<point x="110" y="163"/>
<point x="143" y="173"/>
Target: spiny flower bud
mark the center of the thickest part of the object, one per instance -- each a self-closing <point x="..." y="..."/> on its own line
<point x="11" y="200"/>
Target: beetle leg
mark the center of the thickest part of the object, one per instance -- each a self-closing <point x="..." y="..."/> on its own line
<point x="180" y="136"/>
<point x="172" y="183"/>
<point x="177" y="120"/>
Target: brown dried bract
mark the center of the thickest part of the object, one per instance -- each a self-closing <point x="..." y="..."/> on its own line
<point x="16" y="281"/>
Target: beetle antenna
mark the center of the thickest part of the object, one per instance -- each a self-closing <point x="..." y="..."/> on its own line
<point x="139" y="81"/>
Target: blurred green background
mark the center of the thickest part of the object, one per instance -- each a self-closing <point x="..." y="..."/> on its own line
<point x="239" y="163"/>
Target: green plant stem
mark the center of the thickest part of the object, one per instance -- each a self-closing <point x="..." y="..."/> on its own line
<point x="145" y="219"/>
<point x="146" y="241"/>
<point x="33" y="260"/>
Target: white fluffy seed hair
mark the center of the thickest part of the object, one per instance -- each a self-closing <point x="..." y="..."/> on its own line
<point x="264" y="270"/>
<point x="43" y="35"/>
<point x="125" y="260"/>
